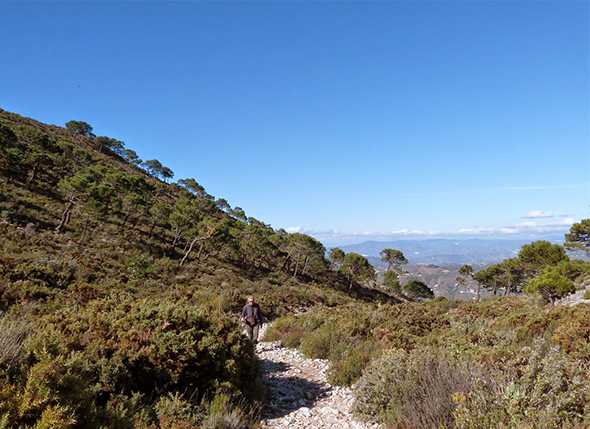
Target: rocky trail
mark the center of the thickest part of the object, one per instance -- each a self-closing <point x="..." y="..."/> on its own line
<point x="299" y="395"/>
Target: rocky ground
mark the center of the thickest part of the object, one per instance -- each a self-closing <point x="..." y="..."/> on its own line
<point x="575" y="298"/>
<point x="299" y="395"/>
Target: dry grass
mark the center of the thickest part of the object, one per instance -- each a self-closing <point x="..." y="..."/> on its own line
<point x="12" y="337"/>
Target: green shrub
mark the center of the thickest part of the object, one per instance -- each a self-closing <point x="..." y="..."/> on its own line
<point x="101" y="364"/>
<point x="414" y="389"/>
<point x="550" y="391"/>
<point x="551" y="284"/>
<point x="417" y="290"/>
<point x="139" y="267"/>
<point x="345" y="370"/>
<point x="287" y="331"/>
<point x="53" y="273"/>
<point x="173" y="411"/>
<point x="587" y="294"/>
<point x="226" y="414"/>
<point x="318" y="343"/>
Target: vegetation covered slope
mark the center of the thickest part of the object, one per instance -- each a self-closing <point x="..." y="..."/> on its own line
<point x="512" y="362"/>
<point x="118" y="289"/>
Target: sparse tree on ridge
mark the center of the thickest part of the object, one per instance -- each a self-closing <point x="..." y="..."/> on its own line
<point x="131" y="157"/>
<point x="222" y="205"/>
<point x="336" y="258"/>
<point x="393" y="258"/>
<point x="467" y="274"/>
<point x="80" y="128"/>
<point x="155" y="169"/>
<point x="166" y="173"/>
<point x="239" y="214"/>
<point x="512" y="274"/>
<point x="113" y="145"/>
<point x="391" y="281"/>
<point x="194" y="187"/>
<point x="578" y="237"/>
<point x="417" y="290"/>
<point x="357" y="269"/>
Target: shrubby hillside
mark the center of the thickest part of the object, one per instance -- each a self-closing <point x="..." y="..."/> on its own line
<point x="118" y="290"/>
<point x="516" y="361"/>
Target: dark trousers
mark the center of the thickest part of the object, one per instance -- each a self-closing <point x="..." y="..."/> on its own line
<point x="252" y="332"/>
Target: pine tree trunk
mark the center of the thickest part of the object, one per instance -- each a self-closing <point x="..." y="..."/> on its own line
<point x="84" y="229"/>
<point x="201" y="247"/>
<point x="176" y="238"/>
<point x="296" y="269"/>
<point x="65" y="217"/>
<point x="125" y="219"/>
<point x="305" y="265"/>
<point x="152" y="228"/>
<point x="33" y="175"/>
<point x="286" y="261"/>
<point x="188" y="252"/>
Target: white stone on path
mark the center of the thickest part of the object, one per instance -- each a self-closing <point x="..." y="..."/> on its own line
<point x="299" y="395"/>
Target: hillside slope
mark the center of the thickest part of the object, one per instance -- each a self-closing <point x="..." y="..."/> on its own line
<point x="119" y="290"/>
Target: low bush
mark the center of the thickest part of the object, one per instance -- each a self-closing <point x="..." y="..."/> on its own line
<point x="428" y="365"/>
<point x="102" y="363"/>
<point x="345" y="370"/>
<point x="287" y="331"/>
<point x="551" y="390"/>
<point x="413" y="389"/>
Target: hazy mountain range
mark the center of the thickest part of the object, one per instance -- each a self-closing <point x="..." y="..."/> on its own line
<point x="442" y="251"/>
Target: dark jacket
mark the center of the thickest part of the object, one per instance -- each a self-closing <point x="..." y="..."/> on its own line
<point x="252" y="311"/>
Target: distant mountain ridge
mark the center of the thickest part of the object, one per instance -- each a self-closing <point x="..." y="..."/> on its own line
<point x="442" y="251"/>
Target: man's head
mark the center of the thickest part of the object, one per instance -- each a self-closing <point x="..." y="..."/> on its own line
<point x="251" y="300"/>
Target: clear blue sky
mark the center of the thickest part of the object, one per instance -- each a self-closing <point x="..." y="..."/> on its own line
<point x="354" y="117"/>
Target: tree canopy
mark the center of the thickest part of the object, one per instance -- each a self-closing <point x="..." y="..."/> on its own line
<point x="357" y="269"/>
<point x="511" y="274"/>
<point x="578" y="236"/>
<point x="336" y="257"/>
<point x="551" y="284"/>
<point x="391" y="281"/>
<point x="417" y="290"/>
<point x="80" y="128"/>
<point x="393" y="258"/>
<point x="155" y="169"/>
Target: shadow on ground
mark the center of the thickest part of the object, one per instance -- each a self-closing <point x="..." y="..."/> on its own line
<point x="288" y="393"/>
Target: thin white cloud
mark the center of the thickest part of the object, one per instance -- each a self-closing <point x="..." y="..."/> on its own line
<point x="528" y="228"/>
<point x="293" y="229"/>
<point x="538" y="214"/>
<point x="566" y="220"/>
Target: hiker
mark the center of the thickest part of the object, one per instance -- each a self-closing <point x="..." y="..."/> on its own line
<point x="252" y="319"/>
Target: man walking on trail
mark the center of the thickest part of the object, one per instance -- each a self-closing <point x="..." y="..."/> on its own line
<point x="252" y="319"/>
